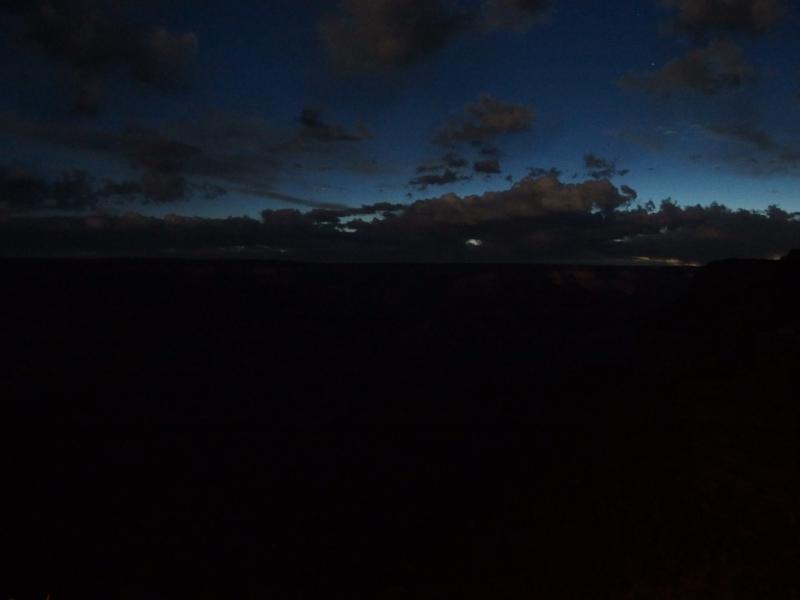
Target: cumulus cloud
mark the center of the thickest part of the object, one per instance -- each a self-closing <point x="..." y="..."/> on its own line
<point x="448" y="176"/>
<point x="476" y="130"/>
<point x="747" y="16"/>
<point x="537" y="219"/>
<point x="541" y="172"/>
<point x="542" y="218"/>
<point x="381" y="34"/>
<point x="210" y="149"/>
<point x="528" y="197"/>
<point x="490" y="166"/>
<point x="704" y="233"/>
<point x="629" y="192"/>
<point x="205" y="156"/>
<point x="747" y="134"/>
<point x="601" y="168"/>
<point x="23" y="191"/>
<point x="448" y="169"/>
<point x="451" y="160"/>
<point x="487" y="119"/>
<point x="719" y="66"/>
<point x="94" y="40"/>
<point x="454" y="161"/>
<point x="335" y="215"/>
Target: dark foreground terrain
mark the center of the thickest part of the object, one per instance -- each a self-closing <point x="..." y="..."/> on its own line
<point x="255" y="430"/>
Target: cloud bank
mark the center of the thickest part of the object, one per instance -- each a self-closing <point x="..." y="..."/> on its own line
<point x="380" y="35"/>
<point x="208" y="155"/>
<point x="538" y="219"/>
<point x="753" y="17"/>
<point x="719" y="66"/>
<point x="96" y="40"/>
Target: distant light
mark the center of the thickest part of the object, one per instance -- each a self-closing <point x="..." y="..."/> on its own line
<point x="367" y="218"/>
<point x="665" y="262"/>
<point x="474" y="243"/>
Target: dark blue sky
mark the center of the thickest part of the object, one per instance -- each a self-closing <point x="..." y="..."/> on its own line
<point x="219" y="109"/>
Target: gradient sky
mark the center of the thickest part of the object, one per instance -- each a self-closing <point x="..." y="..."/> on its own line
<point x="219" y="109"/>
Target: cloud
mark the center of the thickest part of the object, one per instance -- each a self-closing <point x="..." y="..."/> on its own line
<point x="95" y="40"/>
<point x="23" y="191"/>
<point x="440" y="172"/>
<point x="544" y="219"/>
<point x="450" y="161"/>
<point x="380" y="35"/>
<point x="314" y="128"/>
<point x="454" y="161"/>
<point x="538" y="219"/>
<point x="477" y="128"/>
<point x="447" y="177"/>
<point x="746" y="16"/>
<point x="331" y="215"/>
<point x="527" y="198"/>
<point x="487" y="167"/>
<point x="487" y="119"/>
<point x="217" y="151"/>
<point x="744" y="133"/>
<point x="717" y="67"/>
<point x="629" y="192"/>
<point x="541" y="172"/>
<point x="704" y="233"/>
<point x="375" y="35"/>
<point x="515" y="14"/>
<point x="601" y="168"/>
<point x="763" y="154"/>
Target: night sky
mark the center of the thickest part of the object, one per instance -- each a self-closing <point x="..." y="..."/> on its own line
<point x="644" y="131"/>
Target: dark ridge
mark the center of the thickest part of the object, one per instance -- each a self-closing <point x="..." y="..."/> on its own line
<point x="793" y="255"/>
<point x="205" y="429"/>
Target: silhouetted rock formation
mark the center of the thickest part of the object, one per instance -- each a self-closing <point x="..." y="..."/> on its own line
<point x="793" y="255"/>
<point x="736" y="312"/>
